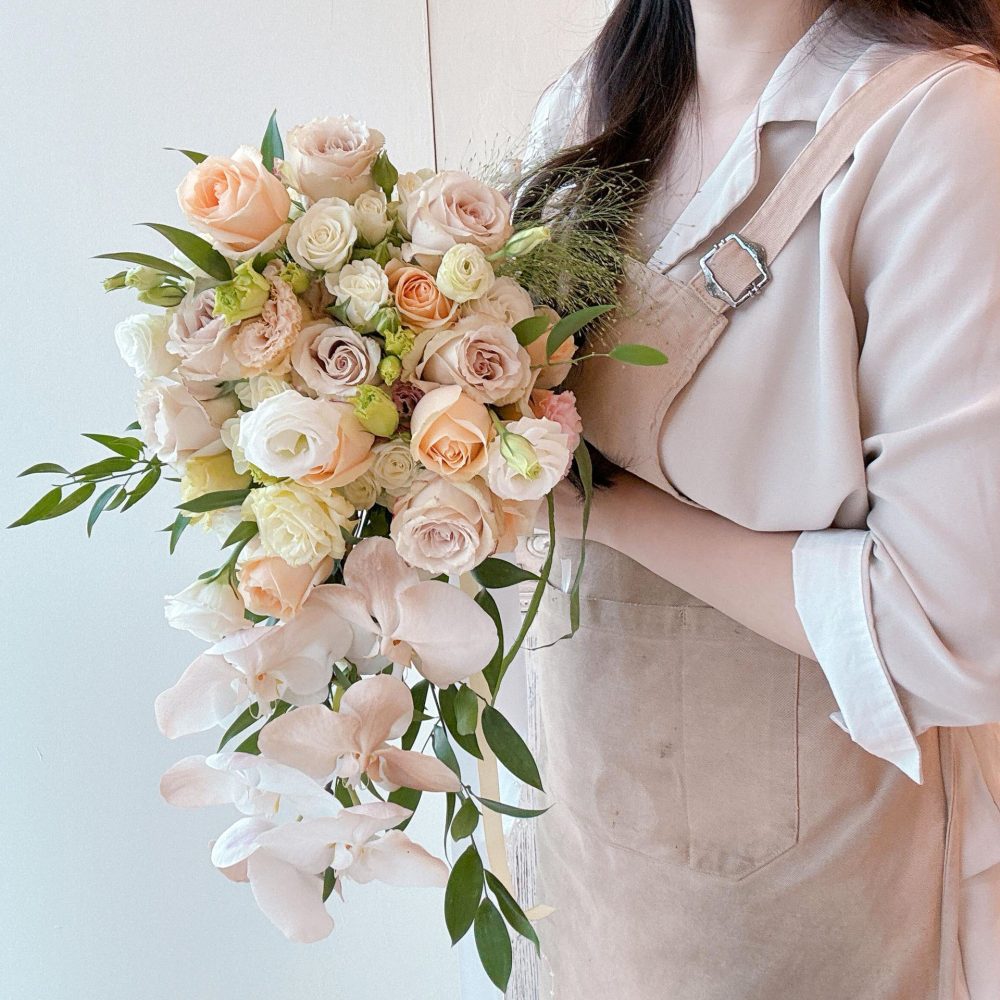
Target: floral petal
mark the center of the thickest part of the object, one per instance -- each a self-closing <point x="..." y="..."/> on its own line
<point x="383" y="706"/>
<point x="308" y="845"/>
<point x="416" y="770"/>
<point x="452" y="636"/>
<point x="311" y="739"/>
<point x="397" y="860"/>
<point x="379" y="573"/>
<point x="206" y="693"/>
<point x="192" y="783"/>
<point x="239" y="841"/>
<point x="290" y="899"/>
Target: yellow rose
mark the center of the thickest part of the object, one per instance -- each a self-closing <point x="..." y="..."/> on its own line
<point x="210" y="474"/>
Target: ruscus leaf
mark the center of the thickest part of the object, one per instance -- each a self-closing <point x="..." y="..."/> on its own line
<point x="145" y="260"/>
<point x="510" y="749"/>
<point x="493" y="944"/>
<point x="637" y="354"/>
<point x="200" y="252"/>
<point x="462" y="894"/>
<point x="271" y="146"/>
<point x="570" y="324"/>
<point x="499" y="573"/>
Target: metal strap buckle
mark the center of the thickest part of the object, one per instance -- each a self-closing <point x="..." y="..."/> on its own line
<point x="757" y="255"/>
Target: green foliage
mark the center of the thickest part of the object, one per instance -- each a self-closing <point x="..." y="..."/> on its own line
<point x="493" y="944"/>
<point x="200" y="252"/>
<point x="462" y="894"/>
<point x="510" y="749"/>
<point x="466" y="821"/>
<point x="637" y="354"/>
<point x="499" y="573"/>
<point x="271" y="146"/>
<point x="146" y="260"/>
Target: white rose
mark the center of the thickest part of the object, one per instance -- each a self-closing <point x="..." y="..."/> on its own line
<point x="315" y="440"/>
<point x="362" y="493"/>
<point x="173" y="423"/>
<point x="505" y="300"/>
<point x="323" y="238"/>
<point x="371" y="216"/>
<point x="208" y="610"/>
<point x="552" y="453"/>
<point x="256" y="389"/>
<point x="333" y="360"/>
<point x="299" y="524"/>
<point x="480" y="354"/>
<point x="393" y="466"/>
<point x="406" y="184"/>
<point x="229" y="432"/>
<point x="465" y="273"/>
<point x="142" y="343"/>
<point x="362" y="287"/>
<point x="444" y="526"/>
<point x="333" y="157"/>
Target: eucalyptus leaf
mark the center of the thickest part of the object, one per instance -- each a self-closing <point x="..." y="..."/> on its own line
<point x="200" y="252"/>
<point x="570" y="324"/>
<point x="585" y="469"/>
<point x="148" y="481"/>
<point x="529" y="330"/>
<point x="510" y="749"/>
<point x="637" y="354"/>
<point x="44" y="467"/>
<point x="493" y="944"/>
<point x="127" y="447"/>
<point x="177" y="529"/>
<point x="491" y="672"/>
<point x="79" y="496"/>
<point x="119" y="498"/>
<point x="512" y="911"/>
<point x="462" y="894"/>
<point x="219" y="500"/>
<point x="41" y="509"/>
<point x="329" y="883"/>
<point x="106" y="467"/>
<point x="145" y="260"/>
<point x="99" y="505"/>
<point x="499" y="573"/>
<point x="465" y="823"/>
<point x="271" y="146"/>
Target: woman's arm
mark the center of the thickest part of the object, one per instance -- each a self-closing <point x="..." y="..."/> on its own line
<point x="746" y="574"/>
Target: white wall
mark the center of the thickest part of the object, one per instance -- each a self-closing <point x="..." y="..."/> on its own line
<point x="105" y="892"/>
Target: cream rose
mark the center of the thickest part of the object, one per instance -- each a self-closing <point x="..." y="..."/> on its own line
<point x="314" y="441"/>
<point x="238" y="203"/>
<point x="452" y="207"/>
<point x="272" y="587"/>
<point x="299" y="524"/>
<point x="332" y="360"/>
<point x="449" y="433"/>
<point x="362" y="287"/>
<point x="257" y="388"/>
<point x="420" y="302"/>
<point x="211" y="474"/>
<point x="552" y="453"/>
<point x="482" y="355"/>
<point x="557" y="367"/>
<point x="505" y="300"/>
<point x="323" y="238"/>
<point x="142" y="343"/>
<point x="465" y="273"/>
<point x="362" y="493"/>
<point x="208" y="610"/>
<point x="173" y="423"/>
<point x="201" y="341"/>
<point x="333" y="157"/>
<point x="393" y="466"/>
<point x="443" y="526"/>
<point x="371" y="216"/>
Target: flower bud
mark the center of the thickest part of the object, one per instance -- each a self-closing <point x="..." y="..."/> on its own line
<point x="375" y="410"/>
<point x="390" y="368"/>
<point x="115" y="282"/>
<point x="143" y="278"/>
<point x="165" y="295"/>
<point x="399" y="342"/>
<point x="519" y="454"/>
<point x="523" y="242"/>
<point x="386" y="321"/>
<point x="243" y="297"/>
<point x="296" y="276"/>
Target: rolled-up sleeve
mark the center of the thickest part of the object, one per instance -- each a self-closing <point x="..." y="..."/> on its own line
<point x="904" y="615"/>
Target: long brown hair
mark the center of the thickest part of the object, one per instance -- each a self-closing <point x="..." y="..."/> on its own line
<point x="642" y="71"/>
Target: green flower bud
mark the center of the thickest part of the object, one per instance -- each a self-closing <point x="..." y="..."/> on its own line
<point x="399" y="342"/>
<point x="523" y="242"/>
<point x="296" y="276"/>
<point x="243" y="297"/>
<point x="387" y="321"/>
<point x="390" y="368"/>
<point x="375" y="410"/>
<point x="116" y="281"/>
<point x="519" y="453"/>
<point x="164" y="295"/>
<point x="143" y="278"/>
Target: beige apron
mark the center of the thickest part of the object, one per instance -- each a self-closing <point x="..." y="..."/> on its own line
<point x="714" y="836"/>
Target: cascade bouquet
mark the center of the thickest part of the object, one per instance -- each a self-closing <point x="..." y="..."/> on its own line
<point x="355" y="382"/>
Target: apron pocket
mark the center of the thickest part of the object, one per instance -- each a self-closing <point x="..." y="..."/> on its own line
<point x="669" y="730"/>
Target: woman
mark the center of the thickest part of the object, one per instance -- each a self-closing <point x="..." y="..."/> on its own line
<point x="771" y="745"/>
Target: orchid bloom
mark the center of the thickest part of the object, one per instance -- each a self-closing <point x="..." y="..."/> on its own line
<point x="285" y="864"/>
<point x="399" y="617"/>
<point x="292" y="660"/>
<point x="353" y="741"/>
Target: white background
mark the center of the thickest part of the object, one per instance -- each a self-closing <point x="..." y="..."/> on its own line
<point x="106" y="893"/>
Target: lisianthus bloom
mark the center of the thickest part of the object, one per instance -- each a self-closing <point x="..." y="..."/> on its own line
<point x="209" y="610"/>
<point x="243" y="297"/>
<point x="264" y="342"/>
<point x="352" y="741"/>
<point x="513" y="480"/>
<point x="465" y="273"/>
<point x="143" y="344"/>
<point x="362" y="288"/>
<point x="560" y="407"/>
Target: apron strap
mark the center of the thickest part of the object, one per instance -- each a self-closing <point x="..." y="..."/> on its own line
<point x="736" y="268"/>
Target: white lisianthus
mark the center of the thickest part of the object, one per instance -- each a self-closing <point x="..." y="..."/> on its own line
<point x="299" y="524"/>
<point x="406" y="184"/>
<point x="371" y="216"/>
<point x="256" y="389"/>
<point x="208" y="610"/>
<point x="230" y="435"/>
<point x="142" y="343"/>
<point x="323" y="238"/>
<point x="393" y="466"/>
<point x="506" y="301"/>
<point x="362" y="493"/>
<point x="362" y="287"/>
<point x="173" y="423"/>
<point x="465" y="273"/>
<point x="546" y="464"/>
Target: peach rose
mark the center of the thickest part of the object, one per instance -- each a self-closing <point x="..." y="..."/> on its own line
<point x="482" y="355"/>
<point x="450" y="433"/>
<point x="554" y="373"/>
<point x="238" y="203"/>
<point x="333" y="157"/>
<point x="270" y="586"/>
<point x="421" y="304"/>
<point x="452" y="207"/>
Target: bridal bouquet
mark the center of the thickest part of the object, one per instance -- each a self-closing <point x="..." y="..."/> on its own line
<point x="355" y="382"/>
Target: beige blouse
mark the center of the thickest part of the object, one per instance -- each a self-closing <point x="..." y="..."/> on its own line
<point x="858" y="399"/>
